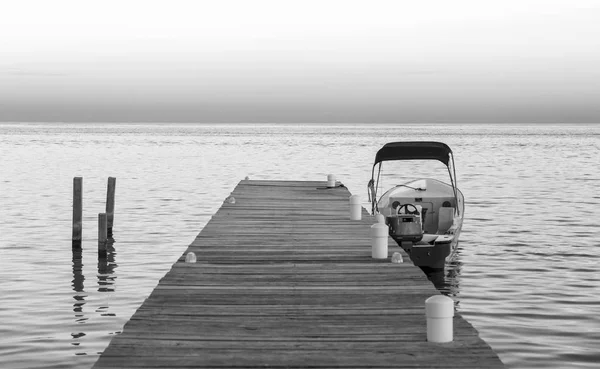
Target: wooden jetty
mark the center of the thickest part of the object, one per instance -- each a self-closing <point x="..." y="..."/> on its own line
<point x="285" y="279"/>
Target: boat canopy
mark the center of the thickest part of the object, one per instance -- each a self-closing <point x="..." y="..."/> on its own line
<point x="412" y="150"/>
<point x="415" y="150"/>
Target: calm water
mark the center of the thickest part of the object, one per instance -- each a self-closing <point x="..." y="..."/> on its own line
<point x="526" y="276"/>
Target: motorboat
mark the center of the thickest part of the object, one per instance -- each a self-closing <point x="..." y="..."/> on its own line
<point x="424" y="215"/>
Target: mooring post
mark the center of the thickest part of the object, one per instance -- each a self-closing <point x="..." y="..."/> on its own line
<point x="190" y="257"/>
<point x="355" y="208"/>
<point x="77" y="211"/>
<point x="102" y="236"/>
<point x="331" y="180"/>
<point x="110" y="205"/>
<point x="379" y="241"/>
<point x="439" y="310"/>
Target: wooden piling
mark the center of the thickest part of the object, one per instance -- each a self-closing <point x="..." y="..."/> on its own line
<point x="102" y="235"/>
<point x="110" y="205"/>
<point x="77" y="211"/>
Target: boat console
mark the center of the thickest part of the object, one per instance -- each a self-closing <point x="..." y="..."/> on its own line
<point x="406" y="224"/>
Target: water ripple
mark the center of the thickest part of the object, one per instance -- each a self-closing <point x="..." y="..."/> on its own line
<point x="525" y="275"/>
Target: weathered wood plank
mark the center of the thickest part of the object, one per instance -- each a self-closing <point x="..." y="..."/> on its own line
<point x="285" y="279"/>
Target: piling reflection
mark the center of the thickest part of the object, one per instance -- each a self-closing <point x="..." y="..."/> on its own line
<point x="106" y="278"/>
<point x="106" y="275"/>
<point x="447" y="280"/>
<point x="78" y="286"/>
<point x="79" y="295"/>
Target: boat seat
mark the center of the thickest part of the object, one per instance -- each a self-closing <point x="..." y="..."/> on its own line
<point x="445" y="219"/>
<point x="428" y="239"/>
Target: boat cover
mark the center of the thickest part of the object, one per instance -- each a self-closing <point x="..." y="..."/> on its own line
<point x="414" y="150"/>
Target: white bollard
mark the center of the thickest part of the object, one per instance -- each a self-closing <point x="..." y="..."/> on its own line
<point x="379" y="241"/>
<point x="355" y="208"/>
<point x="330" y="180"/>
<point x="190" y="257"/>
<point x="439" y="310"/>
<point x="397" y="258"/>
<point x="379" y="218"/>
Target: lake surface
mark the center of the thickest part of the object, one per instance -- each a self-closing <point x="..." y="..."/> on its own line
<point x="526" y="275"/>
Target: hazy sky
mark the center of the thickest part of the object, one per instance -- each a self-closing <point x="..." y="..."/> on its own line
<point x="300" y="61"/>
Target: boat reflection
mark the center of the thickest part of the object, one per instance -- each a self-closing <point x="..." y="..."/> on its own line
<point x="106" y="278"/>
<point x="447" y="280"/>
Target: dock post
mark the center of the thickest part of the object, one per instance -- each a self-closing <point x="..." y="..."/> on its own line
<point x="330" y="180"/>
<point x="355" y="208"/>
<point x="77" y="212"/>
<point x="439" y="310"/>
<point x="102" y="236"/>
<point x="110" y="205"/>
<point x="379" y="241"/>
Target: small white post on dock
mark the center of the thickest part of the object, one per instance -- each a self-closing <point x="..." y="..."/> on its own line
<point x="379" y="241"/>
<point x="355" y="208"/>
<point x="102" y="253"/>
<point x="397" y="258"/>
<point x="110" y="205"/>
<point x="330" y="180"/>
<point x="379" y="218"/>
<point x="77" y="211"/>
<point x="439" y="310"/>
<point x="190" y="257"/>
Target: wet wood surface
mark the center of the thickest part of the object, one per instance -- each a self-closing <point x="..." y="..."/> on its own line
<point x="285" y="279"/>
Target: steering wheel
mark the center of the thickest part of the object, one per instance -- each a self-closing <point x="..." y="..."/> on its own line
<point x="415" y="211"/>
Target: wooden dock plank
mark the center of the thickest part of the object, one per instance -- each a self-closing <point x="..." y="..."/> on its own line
<point x="285" y="279"/>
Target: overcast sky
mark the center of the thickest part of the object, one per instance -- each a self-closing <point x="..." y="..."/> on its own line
<point x="300" y="61"/>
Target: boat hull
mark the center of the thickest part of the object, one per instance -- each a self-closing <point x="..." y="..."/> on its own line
<point x="430" y="256"/>
<point x="429" y="238"/>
